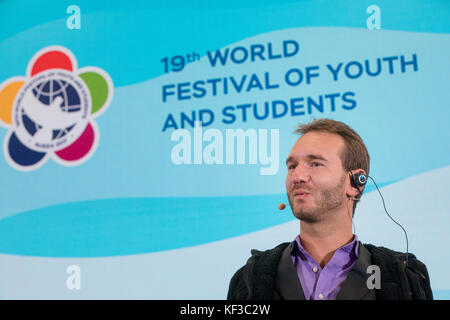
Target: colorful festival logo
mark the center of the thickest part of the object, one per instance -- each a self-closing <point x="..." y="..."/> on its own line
<point x="51" y="112"/>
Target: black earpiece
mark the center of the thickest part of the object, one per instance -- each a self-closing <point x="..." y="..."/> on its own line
<point x="359" y="180"/>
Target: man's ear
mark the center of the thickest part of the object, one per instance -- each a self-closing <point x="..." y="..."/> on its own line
<point x="362" y="190"/>
<point x="353" y="189"/>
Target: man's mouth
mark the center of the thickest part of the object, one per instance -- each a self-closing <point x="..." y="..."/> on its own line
<point x="300" y="194"/>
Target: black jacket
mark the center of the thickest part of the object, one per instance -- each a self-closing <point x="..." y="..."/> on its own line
<point x="261" y="277"/>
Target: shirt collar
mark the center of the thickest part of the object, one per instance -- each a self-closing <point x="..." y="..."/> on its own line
<point x="351" y="249"/>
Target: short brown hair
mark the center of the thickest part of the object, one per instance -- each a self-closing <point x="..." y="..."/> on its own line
<point x="355" y="154"/>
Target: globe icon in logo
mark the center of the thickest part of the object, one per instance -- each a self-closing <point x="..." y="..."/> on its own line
<point x="60" y="93"/>
<point x="52" y="111"/>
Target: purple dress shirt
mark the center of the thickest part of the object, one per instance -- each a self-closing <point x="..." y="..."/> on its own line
<point x="323" y="284"/>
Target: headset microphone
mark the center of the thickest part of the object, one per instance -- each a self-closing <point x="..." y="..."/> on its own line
<point x="359" y="180"/>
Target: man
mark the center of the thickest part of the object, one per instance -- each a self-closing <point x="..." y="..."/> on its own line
<point x="326" y="260"/>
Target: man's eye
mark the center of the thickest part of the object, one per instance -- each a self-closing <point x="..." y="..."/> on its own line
<point x="315" y="164"/>
<point x="291" y="167"/>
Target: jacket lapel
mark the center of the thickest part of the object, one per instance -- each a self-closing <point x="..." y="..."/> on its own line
<point x="287" y="284"/>
<point x="261" y="272"/>
<point x="354" y="286"/>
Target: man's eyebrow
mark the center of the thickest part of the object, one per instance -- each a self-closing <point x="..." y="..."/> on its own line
<point x="289" y="159"/>
<point x="309" y="157"/>
<point x="315" y="157"/>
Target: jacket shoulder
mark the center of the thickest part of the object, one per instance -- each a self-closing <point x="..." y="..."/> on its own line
<point x="415" y="270"/>
<point x="237" y="289"/>
<point x="269" y="252"/>
<point x="241" y="284"/>
<point x="383" y="253"/>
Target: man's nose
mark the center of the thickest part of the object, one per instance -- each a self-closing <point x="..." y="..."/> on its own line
<point x="300" y="174"/>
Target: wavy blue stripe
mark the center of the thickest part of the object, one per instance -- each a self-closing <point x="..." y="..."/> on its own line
<point x="113" y="227"/>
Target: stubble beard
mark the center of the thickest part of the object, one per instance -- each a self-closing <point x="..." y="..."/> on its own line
<point x="324" y="203"/>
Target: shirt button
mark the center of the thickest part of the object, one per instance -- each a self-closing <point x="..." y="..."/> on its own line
<point x="320" y="295"/>
<point x="315" y="269"/>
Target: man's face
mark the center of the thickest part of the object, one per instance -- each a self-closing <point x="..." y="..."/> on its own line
<point x="315" y="182"/>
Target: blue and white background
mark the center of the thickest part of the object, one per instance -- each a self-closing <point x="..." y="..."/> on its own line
<point x="141" y="227"/>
